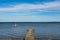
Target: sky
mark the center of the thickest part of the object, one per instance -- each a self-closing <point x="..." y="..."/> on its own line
<point x="29" y="10"/>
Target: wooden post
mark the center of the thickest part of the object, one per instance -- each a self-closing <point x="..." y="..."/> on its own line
<point x="29" y="34"/>
<point x="50" y="38"/>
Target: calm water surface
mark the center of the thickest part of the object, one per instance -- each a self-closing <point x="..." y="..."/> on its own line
<point x="7" y="29"/>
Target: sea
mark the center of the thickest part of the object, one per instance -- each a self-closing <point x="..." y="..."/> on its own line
<point x="40" y="29"/>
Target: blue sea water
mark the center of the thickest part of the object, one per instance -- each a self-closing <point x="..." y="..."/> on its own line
<point x="7" y="29"/>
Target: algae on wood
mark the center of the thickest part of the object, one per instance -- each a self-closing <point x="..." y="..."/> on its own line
<point x="29" y="34"/>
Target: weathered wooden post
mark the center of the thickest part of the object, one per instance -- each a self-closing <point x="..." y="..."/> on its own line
<point x="29" y="34"/>
<point x="50" y="38"/>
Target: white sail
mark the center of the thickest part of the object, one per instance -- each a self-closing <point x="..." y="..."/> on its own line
<point x="15" y="24"/>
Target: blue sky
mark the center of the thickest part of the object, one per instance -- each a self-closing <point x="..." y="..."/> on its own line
<point x="29" y="10"/>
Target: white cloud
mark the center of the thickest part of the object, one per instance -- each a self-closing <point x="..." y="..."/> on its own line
<point x="22" y="7"/>
<point x="26" y="9"/>
<point x="30" y="19"/>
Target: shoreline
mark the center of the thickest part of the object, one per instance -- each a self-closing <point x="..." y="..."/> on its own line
<point x="24" y="39"/>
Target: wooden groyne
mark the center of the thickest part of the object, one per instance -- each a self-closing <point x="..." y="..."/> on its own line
<point x="29" y="34"/>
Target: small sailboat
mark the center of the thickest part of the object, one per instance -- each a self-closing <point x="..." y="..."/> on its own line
<point x="15" y="24"/>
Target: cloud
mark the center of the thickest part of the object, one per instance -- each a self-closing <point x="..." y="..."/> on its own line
<point x="29" y="19"/>
<point x="22" y="7"/>
<point x="25" y="12"/>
